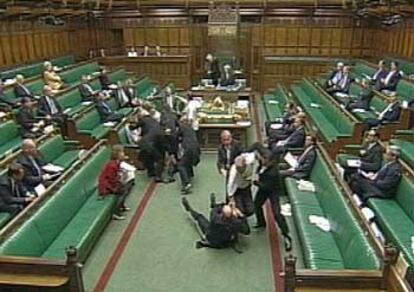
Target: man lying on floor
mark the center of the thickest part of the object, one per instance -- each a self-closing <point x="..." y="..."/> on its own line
<point x="226" y="222"/>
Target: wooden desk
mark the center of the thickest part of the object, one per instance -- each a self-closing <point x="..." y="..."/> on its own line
<point x="162" y="69"/>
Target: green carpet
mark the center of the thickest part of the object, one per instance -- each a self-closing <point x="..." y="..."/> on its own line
<point x="161" y="254"/>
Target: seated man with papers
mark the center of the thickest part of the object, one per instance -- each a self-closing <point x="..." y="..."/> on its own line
<point x="381" y="73"/>
<point x="390" y="81"/>
<point x="341" y="87"/>
<point x="390" y="114"/>
<point x="295" y="140"/>
<point x="364" y="98"/>
<point x="30" y="127"/>
<point x="335" y="76"/>
<point x="382" y="184"/>
<point x="370" y="157"/>
<point x="37" y="173"/>
<point x="281" y="125"/>
<point x="13" y="195"/>
<point x="21" y="90"/>
<point x="301" y="167"/>
<point x="85" y="89"/>
<point x="5" y="104"/>
<point x="51" y="110"/>
<point x="105" y="112"/>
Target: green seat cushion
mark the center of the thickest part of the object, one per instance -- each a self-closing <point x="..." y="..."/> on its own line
<point x="397" y="226"/>
<point x="10" y="146"/>
<point x="4" y="218"/>
<point x="98" y="132"/>
<point x="84" y="228"/>
<point x="67" y="158"/>
<point x="407" y="150"/>
<point x="124" y="111"/>
<point x="319" y="248"/>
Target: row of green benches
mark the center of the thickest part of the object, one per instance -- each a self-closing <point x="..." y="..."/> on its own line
<point x="73" y="216"/>
<point x="36" y="69"/>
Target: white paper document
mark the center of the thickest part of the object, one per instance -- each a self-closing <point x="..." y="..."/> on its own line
<point x="276" y="126"/>
<point x="109" y="124"/>
<point x="368" y="214"/>
<point x="320" y="222"/>
<point x="67" y="110"/>
<point x="52" y="168"/>
<point x="315" y="105"/>
<point x="286" y="209"/>
<point x="40" y="189"/>
<point x="291" y="160"/>
<point x="353" y="162"/>
<point x="306" y="186"/>
<point x="86" y="103"/>
<point x="273" y="102"/>
<point x="358" y="110"/>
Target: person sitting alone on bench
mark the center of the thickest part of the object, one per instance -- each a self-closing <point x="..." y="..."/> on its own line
<point x="226" y="222"/>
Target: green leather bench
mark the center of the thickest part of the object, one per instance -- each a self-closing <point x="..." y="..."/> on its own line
<point x="407" y="150"/>
<point x="72" y="100"/>
<point x="10" y="139"/>
<point x="90" y="124"/>
<point x="405" y="90"/>
<point x="396" y="217"/>
<point x="73" y="216"/>
<point x="145" y="87"/>
<point x="73" y="76"/>
<point x="35" y="69"/>
<point x="60" y="152"/>
<point x="274" y="103"/>
<point x="360" y="69"/>
<point x="330" y="120"/>
<point x="345" y="246"/>
<point x="405" y="66"/>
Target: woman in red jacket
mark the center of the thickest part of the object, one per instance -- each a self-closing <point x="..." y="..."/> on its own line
<point x="110" y="181"/>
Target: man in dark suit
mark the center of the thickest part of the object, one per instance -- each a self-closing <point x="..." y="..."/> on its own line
<point x="213" y="68"/>
<point x="30" y="127"/>
<point x="382" y="184"/>
<point x="390" y="81"/>
<point x="295" y="140"/>
<point x="228" y="150"/>
<point x="390" y="114"/>
<point x="335" y="76"/>
<point x="5" y="103"/>
<point x="104" y="79"/>
<point x="105" y="112"/>
<point x="21" y="90"/>
<point x="380" y="73"/>
<point x="121" y="96"/>
<point x="188" y="154"/>
<point x="267" y="184"/>
<point x="51" y="110"/>
<point x="227" y="78"/>
<point x="305" y="161"/>
<point x="85" y="89"/>
<point x="32" y="163"/>
<point x="343" y="85"/>
<point x="370" y="156"/>
<point x="364" y="98"/>
<point x="13" y="195"/>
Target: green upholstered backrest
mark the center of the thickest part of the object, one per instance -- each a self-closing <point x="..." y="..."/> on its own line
<point x="8" y="131"/>
<point x="89" y="121"/>
<point x="112" y="103"/>
<point x="405" y="90"/>
<point x="361" y="68"/>
<point x="122" y="136"/>
<point x="405" y="196"/>
<point x="118" y="75"/>
<point x="73" y="75"/>
<point x="143" y="86"/>
<point x="70" y="99"/>
<point x="35" y="235"/>
<point x="36" y="87"/>
<point x="355" y="249"/>
<point x="63" y="61"/>
<point x="405" y="66"/>
<point x="52" y="148"/>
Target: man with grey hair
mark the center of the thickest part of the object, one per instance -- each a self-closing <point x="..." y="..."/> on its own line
<point x="20" y="90"/>
<point x="364" y="98"/>
<point x="382" y="184"/>
<point x="213" y="70"/>
<point x="239" y="183"/>
<point x="335" y="76"/>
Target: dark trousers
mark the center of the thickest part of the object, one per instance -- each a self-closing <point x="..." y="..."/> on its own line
<point x="201" y="220"/>
<point x="185" y="169"/>
<point x="122" y="194"/>
<point x="260" y="199"/>
<point x="12" y="209"/>
<point x="114" y="117"/>
<point x="370" y="123"/>
<point x="244" y="201"/>
<point x="365" y="188"/>
<point x="153" y="161"/>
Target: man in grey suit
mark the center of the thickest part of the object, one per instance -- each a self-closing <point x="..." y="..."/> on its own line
<point x="382" y="184"/>
<point x="295" y="140"/>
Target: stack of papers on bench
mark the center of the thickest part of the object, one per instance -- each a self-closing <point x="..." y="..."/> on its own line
<point x="358" y="110"/>
<point x="273" y="102"/>
<point x="320" y="222"/>
<point x="286" y="210"/>
<point x="291" y="160"/>
<point x="52" y="168"/>
<point x="109" y="124"/>
<point x="306" y="186"/>
<point x="353" y="162"/>
<point x="315" y="105"/>
<point x="368" y="214"/>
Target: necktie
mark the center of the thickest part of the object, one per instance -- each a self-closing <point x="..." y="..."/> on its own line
<point x="52" y="106"/>
<point x="15" y="189"/>
<point x="36" y="166"/>
<point x="106" y="107"/>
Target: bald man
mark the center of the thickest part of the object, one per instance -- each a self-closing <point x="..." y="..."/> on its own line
<point x="228" y="150"/>
<point x="226" y="222"/>
<point x="32" y="164"/>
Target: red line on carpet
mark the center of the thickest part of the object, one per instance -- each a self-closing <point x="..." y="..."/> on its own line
<point x="272" y="235"/>
<point x="123" y="242"/>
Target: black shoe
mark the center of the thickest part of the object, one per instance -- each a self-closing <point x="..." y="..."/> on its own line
<point x="212" y="200"/>
<point x="186" y="189"/>
<point x="288" y="242"/>
<point x="200" y="244"/>
<point x="170" y="180"/>
<point x="259" y="226"/>
<point x="185" y="204"/>
<point x="158" y="179"/>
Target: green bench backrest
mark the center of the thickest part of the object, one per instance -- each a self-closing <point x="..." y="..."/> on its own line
<point x="113" y="105"/>
<point x="70" y="99"/>
<point x="361" y="68"/>
<point x="118" y="75"/>
<point x="36" y="87"/>
<point x="142" y="86"/>
<point x="334" y="114"/>
<point x="89" y="121"/>
<point x="8" y="131"/>
<point x="73" y="75"/>
<point x="36" y="234"/>
<point x="122" y="136"/>
<point x="405" y="66"/>
<point x="63" y="61"/>
<point x="355" y="249"/>
<point x="405" y="90"/>
<point x="52" y="148"/>
<point x="405" y="196"/>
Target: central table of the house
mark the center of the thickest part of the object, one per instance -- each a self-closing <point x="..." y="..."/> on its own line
<point x="223" y="109"/>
